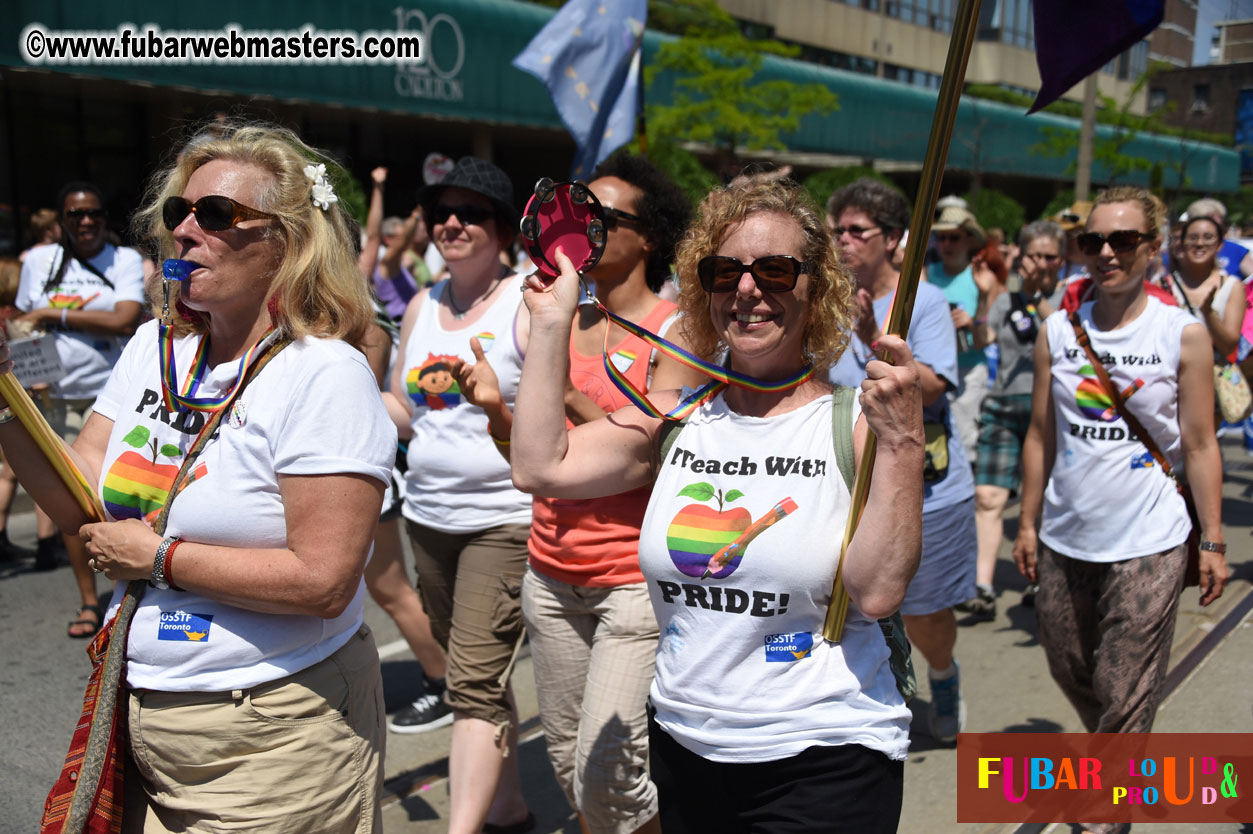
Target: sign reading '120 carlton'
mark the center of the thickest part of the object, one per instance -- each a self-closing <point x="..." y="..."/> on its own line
<point x="434" y="75"/>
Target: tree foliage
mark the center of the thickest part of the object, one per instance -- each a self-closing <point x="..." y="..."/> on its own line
<point x="996" y="209"/>
<point x="682" y="166"/>
<point x="824" y="183"/>
<point x="1063" y="200"/>
<point x="1109" y="151"/>
<point x="1061" y="107"/>
<point x="715" y="98"/>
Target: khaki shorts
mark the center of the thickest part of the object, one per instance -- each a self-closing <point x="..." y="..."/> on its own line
<point x="471" y="588"/>
<point x="302" y="753"/>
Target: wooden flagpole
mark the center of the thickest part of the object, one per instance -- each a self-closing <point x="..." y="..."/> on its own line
<point x="51" y="446"/>
<point x="964" y="24"/>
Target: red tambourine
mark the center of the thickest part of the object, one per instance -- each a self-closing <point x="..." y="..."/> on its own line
<point x="565" y="214"/>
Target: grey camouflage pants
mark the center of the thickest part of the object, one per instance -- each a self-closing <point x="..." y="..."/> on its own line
<point x="1106" y="629"/>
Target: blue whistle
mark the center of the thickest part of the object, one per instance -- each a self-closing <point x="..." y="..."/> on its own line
<point x="178" y="270"/>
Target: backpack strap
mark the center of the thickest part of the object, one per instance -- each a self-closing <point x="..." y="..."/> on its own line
<point x="842" y="432"/>
<point x="669" y="432"/>
<point x="893" y="627"/>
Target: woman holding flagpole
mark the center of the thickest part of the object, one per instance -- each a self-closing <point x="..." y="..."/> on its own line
<point x="757" y="723"/>
<point x="247" y="430"/>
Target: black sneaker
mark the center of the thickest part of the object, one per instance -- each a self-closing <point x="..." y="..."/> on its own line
<point x="1028" y="595"/>
<point x="46" y="553"/>
<point x="10" y="552"/>
<point x="427" y="713"/>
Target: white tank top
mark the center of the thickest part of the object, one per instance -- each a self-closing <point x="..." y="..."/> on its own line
<point x="743" y="673"/>
<point x="457" y="482"/>
<point x="1107" y="500"/>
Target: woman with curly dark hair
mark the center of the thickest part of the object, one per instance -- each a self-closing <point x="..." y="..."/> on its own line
<point x="593" y="633"/>
<point x="757" y="723"/>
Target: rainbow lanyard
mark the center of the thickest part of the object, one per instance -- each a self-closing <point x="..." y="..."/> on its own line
<point x="170" y="393"/>
<point x="722" y="377"/>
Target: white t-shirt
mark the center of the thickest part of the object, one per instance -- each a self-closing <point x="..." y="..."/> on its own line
<point x="313" y="410"/>
<point x="87" y="357"/>
<point x="1107" y="499"/>
<point x="457" y="482"/>
<point x="743" y="672"/>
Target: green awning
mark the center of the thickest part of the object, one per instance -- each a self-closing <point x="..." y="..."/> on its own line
<point x="466" y="75"/>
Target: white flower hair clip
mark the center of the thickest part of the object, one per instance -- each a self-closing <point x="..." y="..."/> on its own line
<point x="323" y="194"/>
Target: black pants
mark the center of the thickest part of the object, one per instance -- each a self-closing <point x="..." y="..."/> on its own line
<point x="821" y="790"/>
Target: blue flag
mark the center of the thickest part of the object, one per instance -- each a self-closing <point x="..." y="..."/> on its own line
<point x="1075" y="38"/>
<point x="588" y="57"/>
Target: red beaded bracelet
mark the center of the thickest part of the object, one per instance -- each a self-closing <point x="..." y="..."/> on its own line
<point x="169" y="564"/>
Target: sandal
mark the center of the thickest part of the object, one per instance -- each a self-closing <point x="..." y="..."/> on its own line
<point x="86" y="627"/>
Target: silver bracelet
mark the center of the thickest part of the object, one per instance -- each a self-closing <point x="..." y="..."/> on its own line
<point x="7" y="415"/>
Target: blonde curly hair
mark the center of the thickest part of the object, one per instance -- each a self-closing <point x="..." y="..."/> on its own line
<point x="317" y="286"/>
<point x="829" y="322"/>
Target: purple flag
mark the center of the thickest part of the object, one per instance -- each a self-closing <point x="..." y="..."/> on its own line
<point x="1074" y="38"/>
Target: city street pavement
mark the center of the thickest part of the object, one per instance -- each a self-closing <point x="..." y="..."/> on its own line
<point x="1005" y="680"/>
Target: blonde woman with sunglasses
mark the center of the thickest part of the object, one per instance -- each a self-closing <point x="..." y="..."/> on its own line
<point x="1113" y="526"/>
<point x="252" y="693"/>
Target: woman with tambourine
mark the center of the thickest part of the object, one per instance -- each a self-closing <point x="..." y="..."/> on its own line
<point x="592" y="629"/>
<point x="755" y="718"/>
<point x="1106" y="424"/>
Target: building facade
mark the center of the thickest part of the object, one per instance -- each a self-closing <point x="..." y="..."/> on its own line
<point x="907" y="40"/>
<point x="1173" y="40"/>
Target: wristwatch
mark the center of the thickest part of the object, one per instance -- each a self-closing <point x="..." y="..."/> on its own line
<point x="158" y="579"/>
<point x="1216" y="547"/>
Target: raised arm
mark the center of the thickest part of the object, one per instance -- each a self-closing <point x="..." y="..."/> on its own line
<point x="884" y="553"/>
<point x="1201" y="457"/>
<point x="603" y="457"/>
<point x="373" y="225"/>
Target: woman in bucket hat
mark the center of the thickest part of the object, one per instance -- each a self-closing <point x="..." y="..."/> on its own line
<point x="467" y="524"/>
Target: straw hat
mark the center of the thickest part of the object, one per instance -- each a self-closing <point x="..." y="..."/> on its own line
<point x="953" y="218"/>
<point x="1074" y="217"/>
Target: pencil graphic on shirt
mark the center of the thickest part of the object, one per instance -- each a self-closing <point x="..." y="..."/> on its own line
<point x="1108" y="414"/>
<point x="736" y="548"/>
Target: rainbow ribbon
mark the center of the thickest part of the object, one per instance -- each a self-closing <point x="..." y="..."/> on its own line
<point x="169" y="373"/>
<point x="722" y="377"/>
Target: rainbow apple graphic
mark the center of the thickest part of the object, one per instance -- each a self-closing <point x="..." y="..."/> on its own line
<point x="698" y="531"/>
<point x="136" y="485"/>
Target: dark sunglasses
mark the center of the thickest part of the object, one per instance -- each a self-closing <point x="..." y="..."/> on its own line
<point x="948" y="238"/>
<point x="214" y="213"/>
<point x="615" y="216"/>
<point x="469" y="215"/>
<point x="773" y="273"/>
<point x="855" y="232"/>
<point x="79" y="214"/>
<point x="1121" y="241"/>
